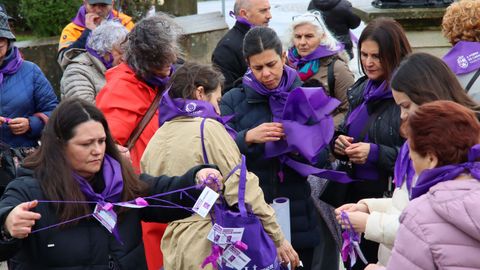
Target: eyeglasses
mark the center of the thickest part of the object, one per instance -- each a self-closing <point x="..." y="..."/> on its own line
<point x="306" y="18"/>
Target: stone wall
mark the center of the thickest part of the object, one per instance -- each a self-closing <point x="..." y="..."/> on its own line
<point x="202" y="33"/>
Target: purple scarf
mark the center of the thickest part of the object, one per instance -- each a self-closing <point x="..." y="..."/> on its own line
<point x="431" y="177"/>
<point x="94" y="53"/>
<point x="158" y="81"/>
<point x="80" y="17"/>
<point x="170" y="108"/>
<point x="11" y="64"/>
<point x="112" y="175"/>
<point x="241" y="20"/>
<point x="464" y="57"/>
<point x="308" y="125"/>
<point x="309" y="65"/>
<point x="404" y="168"/>
<point x="359" y="117"/>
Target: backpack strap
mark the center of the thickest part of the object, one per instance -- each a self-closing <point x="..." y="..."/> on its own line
<point x="331" y="77"/>
<point x="472" y="81"/>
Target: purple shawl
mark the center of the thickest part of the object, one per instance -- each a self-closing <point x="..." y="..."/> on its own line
<point x="309" y="65"/>
<point x="359" y="117"/>
<point x="305" y="114"/>
<point x="430" y="177"/>
<point x="464" y="57"/>
<point x="11" y="64"/>
<point x="94" y="53"/>
<point x="80" y="17"/>
<point x="112" y="175"/>
<point x="241" y="20"/>
<point x="404" y="171"/>
<point x="170" y="108"/>
<point x="158" y="81"/>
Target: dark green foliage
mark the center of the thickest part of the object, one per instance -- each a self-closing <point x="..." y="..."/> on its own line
<point x="47" y="17"/>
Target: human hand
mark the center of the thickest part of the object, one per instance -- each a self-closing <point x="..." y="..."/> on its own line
<point x="92" y="20"/>
<point x="358" y="152"/>
<point x="357" y="219"/>
<point x="373" y="267"/>
<point x="124" y="151"/>
<point x="266" y="132"/>
<point x="19" y="125"/>
<point x="352" y="207"/>
<point x="341" y="143"/>
<point x="3" y="120"/>
<point x="287" y="255"/>
<point x="20" y="220"/>
<point x="211" y="178"/>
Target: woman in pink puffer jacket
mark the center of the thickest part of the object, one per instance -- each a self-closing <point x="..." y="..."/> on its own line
<point x="440" y="228"/>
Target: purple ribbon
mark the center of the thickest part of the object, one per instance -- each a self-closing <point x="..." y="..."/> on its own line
<point x="430" y="177"/>
<point x="80" y="17"/>
<point x="359" y="116"/>
<point x="11" y="64"/>
<point x="241" y="20"/>
<point x="213" y="257"/>
<point x="308" y="125"/>
<point x="403" y="171"/>
<point x="108" y="64"/>
<point x="464" y="57"/>
<point x="351" y="242"/>
<point x="170" y="108"/>
<point x="158" y="81"/>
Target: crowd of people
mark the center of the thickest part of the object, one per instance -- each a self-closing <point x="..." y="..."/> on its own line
<point x="120" y="158"/>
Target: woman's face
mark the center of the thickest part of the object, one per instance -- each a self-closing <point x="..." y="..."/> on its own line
<point x="407" y="106"/>
<point x="3" y="48"/>
<point x="421" y="163"/>
<point x="267" y="67"/>
<point x="370" y="58"/>
<point x="306" y="39"/>
<point x="86" y="149"/>
<point x="117" y="55"/>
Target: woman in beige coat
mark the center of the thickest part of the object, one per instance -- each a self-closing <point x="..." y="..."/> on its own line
<point x="320" y="59"/>
<point x="177" y="145"/>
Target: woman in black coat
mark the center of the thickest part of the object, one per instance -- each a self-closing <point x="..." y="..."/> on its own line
<point x="369" y="139"/>
<point x="269" y="81"/>
<point x="77" y="162"/>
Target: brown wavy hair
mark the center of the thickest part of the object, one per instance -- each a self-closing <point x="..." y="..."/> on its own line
<point x="461" y="21"/>
<point x="445" y="129"/>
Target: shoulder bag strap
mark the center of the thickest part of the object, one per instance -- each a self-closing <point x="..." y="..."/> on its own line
<point x="144" y="122"/>
<point x="331" y="77"/>
<point x="472" y="81"/>
<point x="241" y="187"/>
<point x="383" y="106"/>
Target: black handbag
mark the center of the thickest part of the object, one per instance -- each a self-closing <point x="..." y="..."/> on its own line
<point x="10" y="159"/>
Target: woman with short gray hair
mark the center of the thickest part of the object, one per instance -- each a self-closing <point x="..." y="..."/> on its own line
<point x="130" y="99"/>
<point x="84" y="74"/>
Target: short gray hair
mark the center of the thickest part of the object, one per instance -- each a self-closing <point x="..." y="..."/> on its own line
<point x="239" y="4"/>
<point x="152" y="45"/>
<point x="313" y="18"/>
<point x="106" y="35"/>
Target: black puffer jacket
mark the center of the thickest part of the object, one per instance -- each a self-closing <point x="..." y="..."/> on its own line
<point x="338" y="17"/>
<point x="385" y="132"/>
<point x="87" y="245"/>
<point x="252" y="109"/>
<point x="228" y="55"/>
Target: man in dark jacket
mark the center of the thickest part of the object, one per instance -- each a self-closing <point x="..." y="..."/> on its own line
<point x="228" y="55"/>
<point x="339" y="19"/>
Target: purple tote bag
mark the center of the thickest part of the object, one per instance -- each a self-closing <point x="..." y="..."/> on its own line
<point x="261" y="249"/>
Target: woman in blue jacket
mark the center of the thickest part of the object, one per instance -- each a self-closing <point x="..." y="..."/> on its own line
<point x="26" y="96"/>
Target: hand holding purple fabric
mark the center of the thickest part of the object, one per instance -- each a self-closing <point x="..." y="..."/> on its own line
<point x="358" y="152"/>
<point x="266" y="132"/>
<point x="351" y="207"/>
<point x="357" y="219"/>
<point x="211" y="178"/>
<point x="21" y="219"/>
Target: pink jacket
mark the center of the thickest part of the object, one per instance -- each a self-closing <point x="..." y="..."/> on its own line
<point x="441" y="229"/>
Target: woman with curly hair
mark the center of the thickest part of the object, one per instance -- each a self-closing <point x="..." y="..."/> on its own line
<point x="461" y="27"/>
<point x="130" y="97"/>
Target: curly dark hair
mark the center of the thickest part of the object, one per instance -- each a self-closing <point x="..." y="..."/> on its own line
<point x="152" y="45"/>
